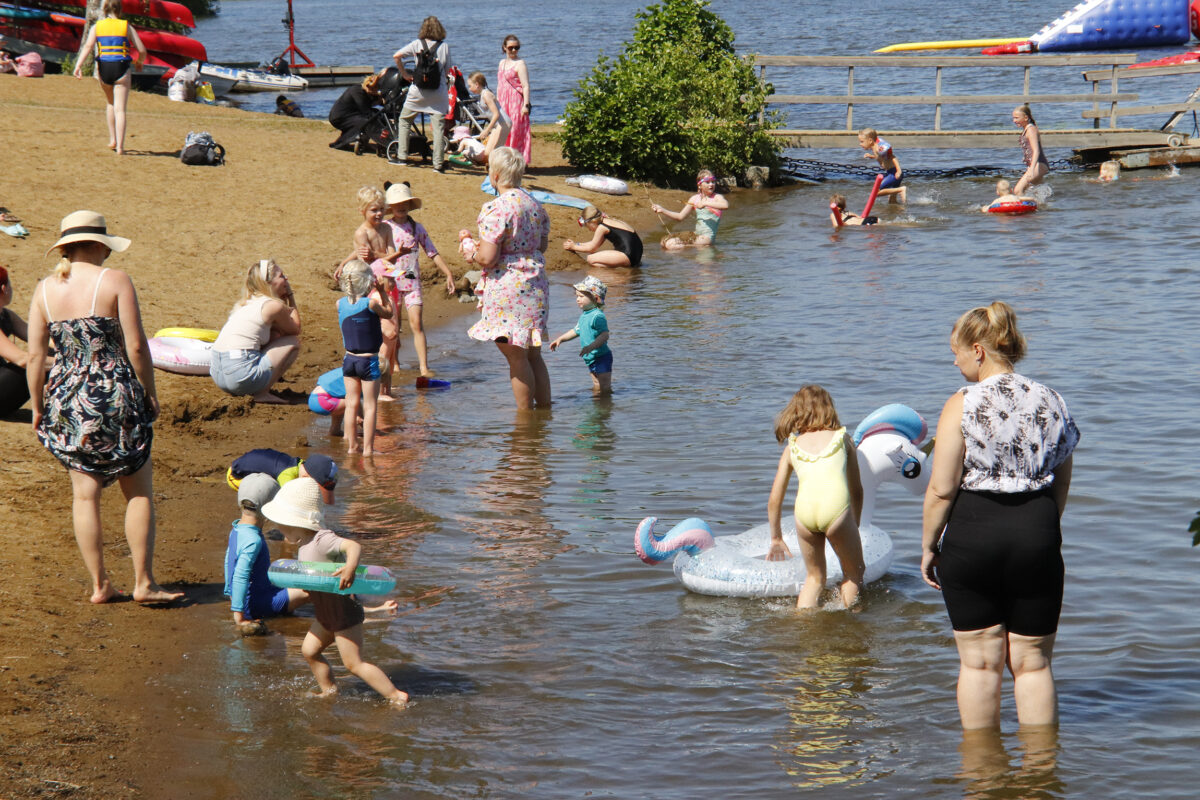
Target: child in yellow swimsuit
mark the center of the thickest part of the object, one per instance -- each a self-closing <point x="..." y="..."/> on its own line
<point x="829" y="496"/>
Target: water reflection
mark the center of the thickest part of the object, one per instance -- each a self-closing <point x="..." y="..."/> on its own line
<point x="825" y="710"/>
<point x="988" y="774"/>
<point x="596" y="439"/>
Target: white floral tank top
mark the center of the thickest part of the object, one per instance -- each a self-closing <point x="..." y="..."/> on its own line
<point x="1016" y="432"/>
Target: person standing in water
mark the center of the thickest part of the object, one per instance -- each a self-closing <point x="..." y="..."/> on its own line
<point x="1036" y="165"/>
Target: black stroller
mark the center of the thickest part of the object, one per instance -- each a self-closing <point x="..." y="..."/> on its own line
<point x="384" y="126"/>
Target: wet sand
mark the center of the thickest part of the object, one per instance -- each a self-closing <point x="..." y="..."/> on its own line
<point x="77" y="682"/>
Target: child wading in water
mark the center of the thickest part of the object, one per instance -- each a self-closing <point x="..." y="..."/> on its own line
<point x="882" y="152"/>
<point x="409" y="235"/>
<point x="1004" y="195"/>
<point x="360" y="316"/>
<point x="592" y="330"/>
<point x="841" y="218"/>
<point x="708" y="205"/>
<point x="296" y="508"/>
<point x="829" y="496"/>
<point x="373" y="244"/>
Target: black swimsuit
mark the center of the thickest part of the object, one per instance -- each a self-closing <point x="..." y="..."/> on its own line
<point x="14" y="391"/>
<point x="626" y="242"/>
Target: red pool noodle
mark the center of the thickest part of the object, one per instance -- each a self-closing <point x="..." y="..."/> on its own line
<point x="837" y="214"/>
<point x="871" y="198"/>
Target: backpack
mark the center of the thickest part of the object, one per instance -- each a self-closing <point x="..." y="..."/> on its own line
<point x="199" y="150"/>
<point x="428" y="72"/>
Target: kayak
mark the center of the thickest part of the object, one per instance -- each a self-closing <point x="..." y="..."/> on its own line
<point x="158" y="10"/>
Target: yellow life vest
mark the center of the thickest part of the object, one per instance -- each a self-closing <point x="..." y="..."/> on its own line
<point x="112" y="38"/>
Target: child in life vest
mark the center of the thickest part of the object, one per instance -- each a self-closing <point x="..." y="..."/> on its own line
<point x="360" y="316"/>
<point x="829" y="494"/>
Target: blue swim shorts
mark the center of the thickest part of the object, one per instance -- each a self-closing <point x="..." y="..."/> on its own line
<point x="602" y="364"/>
<point x="365" y="368"/>
<point x="265" y="604"/>
<point x="890" y="181"/>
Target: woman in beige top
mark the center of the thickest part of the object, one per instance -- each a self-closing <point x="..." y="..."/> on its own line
<point x="261" y="339"/>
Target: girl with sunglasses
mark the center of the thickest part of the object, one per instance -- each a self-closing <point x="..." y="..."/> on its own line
<point x="627" y="245"/>
<point x="512" y="80"/>
<point x="708" y="205"/>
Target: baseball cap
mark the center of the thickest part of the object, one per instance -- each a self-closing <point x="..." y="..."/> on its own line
<point x="322" y="470"/>
<point x="256" y="490"/>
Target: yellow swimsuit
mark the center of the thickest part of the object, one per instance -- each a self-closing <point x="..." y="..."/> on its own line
<point x="824" y="493"/>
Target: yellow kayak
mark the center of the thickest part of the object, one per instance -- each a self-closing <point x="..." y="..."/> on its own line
<point x="950" y="44"/>
<point x="203" y="334"/>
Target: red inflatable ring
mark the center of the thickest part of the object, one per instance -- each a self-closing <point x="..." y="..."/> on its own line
<point x="1021" y="207"/>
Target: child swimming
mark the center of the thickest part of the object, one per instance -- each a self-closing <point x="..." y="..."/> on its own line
<point x="1004" y="195"/>
<point x="1110" y="171"/>
<point x="882" y="152"/>
<point x="708" y="205"/>
<point x="840" y="217"/>
<point x="829" y="494"/>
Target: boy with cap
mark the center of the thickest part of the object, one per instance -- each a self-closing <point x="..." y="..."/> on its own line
<point x="251" y="595"/>
<point x="592" y="331"/>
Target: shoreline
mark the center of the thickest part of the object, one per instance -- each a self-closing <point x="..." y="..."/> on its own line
<point x="82" y="699"/>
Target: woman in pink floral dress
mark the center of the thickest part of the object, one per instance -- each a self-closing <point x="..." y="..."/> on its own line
<point x="512" y="90"/>
<point x="514" y="231"/>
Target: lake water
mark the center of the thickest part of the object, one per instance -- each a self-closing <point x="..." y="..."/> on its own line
<point x="546" y="661"/>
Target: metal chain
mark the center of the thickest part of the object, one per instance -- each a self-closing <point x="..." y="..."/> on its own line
<point x="813" y="170"/>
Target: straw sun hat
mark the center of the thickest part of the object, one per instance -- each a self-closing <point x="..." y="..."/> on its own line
<point x="401" y="193"/>
<point x="88" y="226"/>
<point x="297" y="503"/>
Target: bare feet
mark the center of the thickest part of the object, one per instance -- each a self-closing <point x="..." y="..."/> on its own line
<point x="427" y="373"/>
<point x="105" y="593"/>
<point x="810" y="594"/>
<point x="252" y="627"/>
<point x="330" y="692"/>
<point x="155" y="595"/>
<point x="399" y="700"/>
<point x="386" y="397"/>
<point x="269" y="399"/>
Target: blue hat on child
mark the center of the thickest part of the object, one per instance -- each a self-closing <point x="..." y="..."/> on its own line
<point x="594" y="288"/>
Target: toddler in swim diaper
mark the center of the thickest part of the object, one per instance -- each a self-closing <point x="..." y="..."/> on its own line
<point x="829" y="494"/>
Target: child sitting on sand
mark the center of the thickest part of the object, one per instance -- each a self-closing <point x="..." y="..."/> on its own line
<point x="829" y="494"/>
<point x="708" y="205"/>
<point x="1004" y="195"/>
<point x="339" y="617"/>
<point x="893" y="174"/>
<point x="360" y="316"/>
<point x="592" y="331"/>
<point x="841" y="218"/>
<point x="252" y="597"/>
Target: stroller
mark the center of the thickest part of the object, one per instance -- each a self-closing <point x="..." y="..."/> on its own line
<point x="465" y="108"/>
<point x="383" y="128"/>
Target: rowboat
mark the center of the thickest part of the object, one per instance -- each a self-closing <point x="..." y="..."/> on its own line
<point x="251" y="80"/>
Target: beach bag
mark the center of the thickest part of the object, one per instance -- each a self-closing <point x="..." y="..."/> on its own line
<point x="428" y="73"/>
<point x="30" y="65"/>
<point x="199" y="150"/>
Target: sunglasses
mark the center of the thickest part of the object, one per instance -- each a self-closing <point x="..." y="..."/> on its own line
<point x="513" y="47"/>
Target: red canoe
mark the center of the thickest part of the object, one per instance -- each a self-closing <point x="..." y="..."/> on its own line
<point x="162" y="10"/>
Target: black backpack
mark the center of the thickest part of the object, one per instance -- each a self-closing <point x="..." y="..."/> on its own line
<point x="199" y="150"/>
<point x="428" y="72"/>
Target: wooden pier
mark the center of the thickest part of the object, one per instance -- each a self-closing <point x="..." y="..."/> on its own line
<point x="1103" y="102"/>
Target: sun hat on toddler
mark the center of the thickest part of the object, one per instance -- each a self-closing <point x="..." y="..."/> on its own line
<point x="460" y="132"/>
<point x="323" y="470"/>
<point x="256" y="490"/>
<point x="594" y="288"/>
<point x="297" y="503"/>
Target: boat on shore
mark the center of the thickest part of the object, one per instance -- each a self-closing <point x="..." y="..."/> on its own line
<point x="242" y="79"/>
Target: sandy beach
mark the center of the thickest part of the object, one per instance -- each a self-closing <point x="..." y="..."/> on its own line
<point x="77" y="688"/>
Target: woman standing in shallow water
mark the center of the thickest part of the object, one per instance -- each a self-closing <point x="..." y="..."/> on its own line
<point x="1036" y="165"/>
<point x="95" y="410"/>
<point x="991" y="538"/>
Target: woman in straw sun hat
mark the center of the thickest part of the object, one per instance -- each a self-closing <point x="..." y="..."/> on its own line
<point x="95" y="409"/>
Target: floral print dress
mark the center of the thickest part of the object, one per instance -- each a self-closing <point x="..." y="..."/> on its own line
<point x="96" y="417"/>
<point x="514" y="294"/>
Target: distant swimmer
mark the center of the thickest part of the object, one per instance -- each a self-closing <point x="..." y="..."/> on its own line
<point x="893" y="174"/>
<point x="1005" y="197"/>
<point x="708" y="205"/>
<point x="841" y="218"/>
<point x="1110" y="171"/>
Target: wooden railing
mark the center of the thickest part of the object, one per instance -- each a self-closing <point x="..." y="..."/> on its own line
<point x="939" y="64"/>
<point x="1176" y="110"/>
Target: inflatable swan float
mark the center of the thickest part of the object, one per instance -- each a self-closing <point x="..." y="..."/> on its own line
<point x="736" y="566"/>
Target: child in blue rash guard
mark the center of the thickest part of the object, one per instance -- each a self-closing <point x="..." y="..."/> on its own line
<point x="251" y="595"/>
<point x="592" y="330"/>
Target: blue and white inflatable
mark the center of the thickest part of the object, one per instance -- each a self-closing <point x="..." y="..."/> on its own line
<point x="1116" y="25"/>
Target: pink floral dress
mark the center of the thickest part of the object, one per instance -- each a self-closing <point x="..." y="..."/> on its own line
<point x="514" y="294"/>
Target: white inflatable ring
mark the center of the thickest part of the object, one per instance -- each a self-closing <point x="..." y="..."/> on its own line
<point x="184" y="356"/>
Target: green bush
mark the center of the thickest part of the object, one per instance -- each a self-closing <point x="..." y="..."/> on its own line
<point x="203" y="8"/>
<point x="678" y="99"/>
